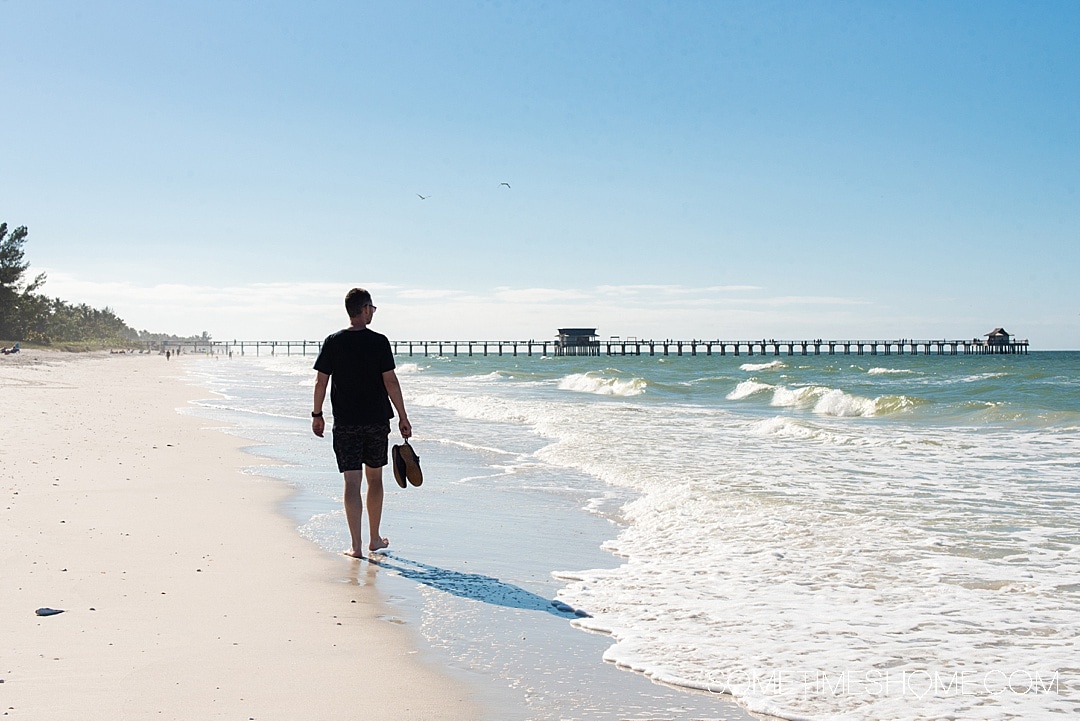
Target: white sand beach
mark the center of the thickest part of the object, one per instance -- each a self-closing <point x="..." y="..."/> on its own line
<point x="185" y="594"/>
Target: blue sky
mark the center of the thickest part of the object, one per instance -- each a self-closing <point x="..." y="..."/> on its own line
<point x="676" y="169"/>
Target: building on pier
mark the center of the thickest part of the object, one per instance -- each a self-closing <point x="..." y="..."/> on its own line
<point x="997" y="337"/>
<point x="578" y="341"/>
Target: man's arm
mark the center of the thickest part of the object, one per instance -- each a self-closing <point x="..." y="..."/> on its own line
<point x="318" y="425"/>
<point x="393" y="389"/>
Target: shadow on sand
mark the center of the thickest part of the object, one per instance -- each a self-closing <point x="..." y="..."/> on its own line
<point x="473" y="585"/>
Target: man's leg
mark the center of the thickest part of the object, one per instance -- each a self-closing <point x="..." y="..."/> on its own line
<point x="354" y="511"/>
<point x="374" y="507"/>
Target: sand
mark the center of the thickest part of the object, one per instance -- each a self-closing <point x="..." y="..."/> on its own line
<point x="186" y="595"/>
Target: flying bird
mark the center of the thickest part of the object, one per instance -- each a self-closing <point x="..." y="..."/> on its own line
<point x="506" y="184"/>
<point x="422" y="197"/>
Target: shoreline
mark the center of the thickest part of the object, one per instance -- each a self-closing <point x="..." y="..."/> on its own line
<point x="469" y="568"/>
<point x="186" y="592"/>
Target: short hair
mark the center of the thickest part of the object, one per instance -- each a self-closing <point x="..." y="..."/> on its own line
<point x="355" y="300"/>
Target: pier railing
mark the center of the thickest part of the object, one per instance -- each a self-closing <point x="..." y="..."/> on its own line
<point x="622" y="347"/>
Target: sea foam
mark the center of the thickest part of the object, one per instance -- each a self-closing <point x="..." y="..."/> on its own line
<point x="763" y="366"/>
<point x="603" y="386"/>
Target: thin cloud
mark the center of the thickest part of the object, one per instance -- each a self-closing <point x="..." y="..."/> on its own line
<point x="427" y="294"/>
<point x="798" y="300"/>
<point x="538" y="295"/>
<point x="310" y="310"/>
<point x="654" y="291"/>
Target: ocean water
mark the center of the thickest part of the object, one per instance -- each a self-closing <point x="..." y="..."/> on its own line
<point x="815" y="537"/>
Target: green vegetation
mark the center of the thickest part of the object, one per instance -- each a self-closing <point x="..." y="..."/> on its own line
<point x="33" y="318"/>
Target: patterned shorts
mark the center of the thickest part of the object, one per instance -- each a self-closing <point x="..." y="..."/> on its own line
<point x="358" y="446"/>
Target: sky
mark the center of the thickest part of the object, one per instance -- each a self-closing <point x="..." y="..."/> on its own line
<point x="715" y="170"/>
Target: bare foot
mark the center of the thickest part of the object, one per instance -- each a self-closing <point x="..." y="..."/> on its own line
<point x="379" y="545"/>
<point x="352" y="553"/>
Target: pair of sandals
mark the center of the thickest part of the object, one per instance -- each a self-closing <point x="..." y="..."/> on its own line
<point x="406" y="465"/>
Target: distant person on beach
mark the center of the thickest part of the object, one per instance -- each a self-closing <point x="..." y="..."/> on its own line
<point x="364" y="387"/>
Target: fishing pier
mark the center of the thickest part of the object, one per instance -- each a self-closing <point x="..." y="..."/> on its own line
<point x="636" y="347"/>
<point x="625" y="347"/>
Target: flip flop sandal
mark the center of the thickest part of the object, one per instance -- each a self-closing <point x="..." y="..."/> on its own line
<point x="411" y="462"/>
<point x="399" y="466"/>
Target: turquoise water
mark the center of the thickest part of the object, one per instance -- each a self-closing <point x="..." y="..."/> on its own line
<point x="889" y="537"/>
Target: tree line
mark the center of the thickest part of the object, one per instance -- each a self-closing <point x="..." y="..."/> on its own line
<point x="32" y="317"/>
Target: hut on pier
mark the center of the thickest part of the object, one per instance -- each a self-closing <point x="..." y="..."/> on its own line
<point x="578" y="341"/>
<point x="998" y="337"/>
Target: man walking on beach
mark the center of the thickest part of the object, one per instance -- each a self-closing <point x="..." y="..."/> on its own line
<point x="364" y="387"/>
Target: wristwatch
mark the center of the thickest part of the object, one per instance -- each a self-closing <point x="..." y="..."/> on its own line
<point x="316" y="415"/>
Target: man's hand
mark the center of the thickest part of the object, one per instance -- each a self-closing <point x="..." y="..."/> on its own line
<point x="318" y="426"/>
<point x="405" y="427"/>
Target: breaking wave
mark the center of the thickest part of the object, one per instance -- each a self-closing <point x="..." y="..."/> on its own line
<point x="602" y="386"/>
<point x="762" y="366"/>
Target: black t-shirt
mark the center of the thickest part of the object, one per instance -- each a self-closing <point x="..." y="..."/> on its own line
<point x="355" y="361"/>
